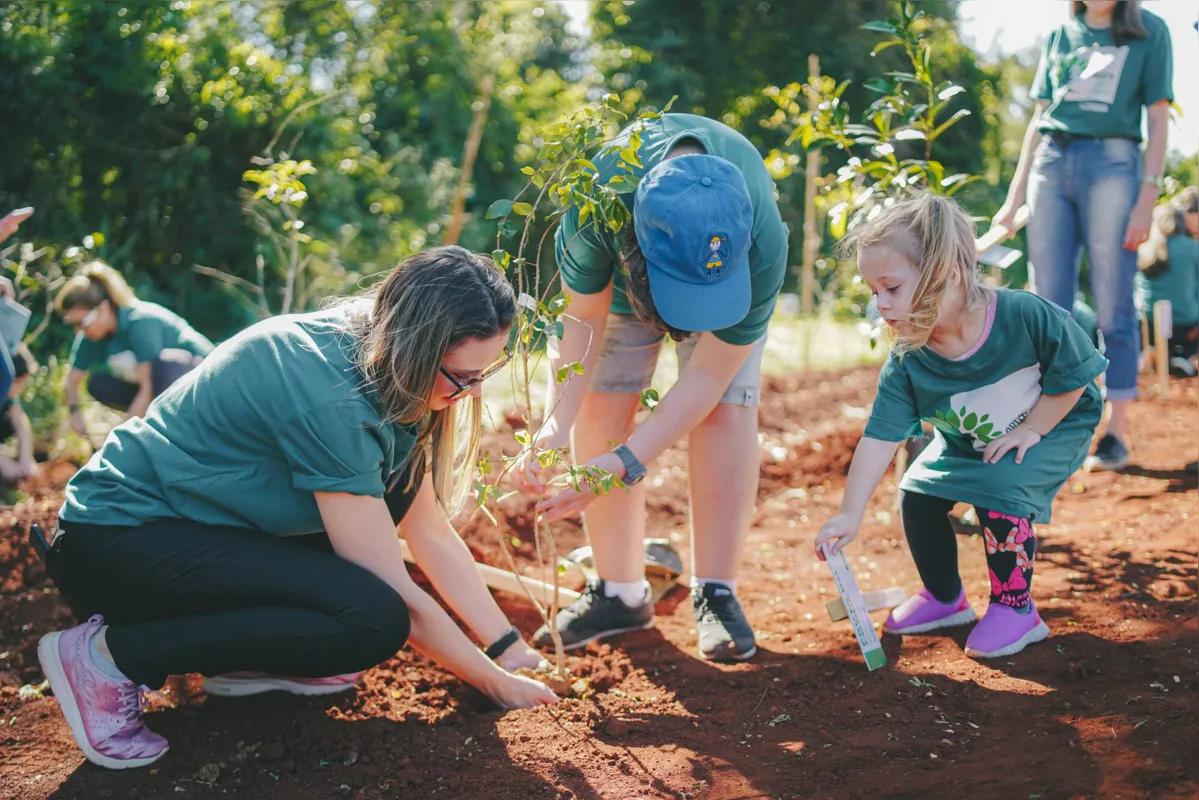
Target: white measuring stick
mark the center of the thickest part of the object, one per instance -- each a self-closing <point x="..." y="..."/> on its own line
<point x="883" y="598"/>
<point x="863" y="628"/>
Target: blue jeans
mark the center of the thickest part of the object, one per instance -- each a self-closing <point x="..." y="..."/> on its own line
<point x="1082" y="195"/>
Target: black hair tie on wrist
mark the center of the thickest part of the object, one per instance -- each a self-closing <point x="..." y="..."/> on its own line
<point x="502" y="644"/>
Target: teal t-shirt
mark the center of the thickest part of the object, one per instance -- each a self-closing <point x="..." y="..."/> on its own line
<point x="588" y="256"/>
<point x="1178" y="283"/>
<point x="143" y="331"/>
<point x="1095" y="88"/>
<point x="274" y="414"/>
<point x="1032" y="348"/>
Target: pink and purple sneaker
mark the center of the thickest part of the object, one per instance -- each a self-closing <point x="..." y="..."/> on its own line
<point x="923" y="612"/>
<point x="243" y="684"/>
<point x="1004" y="631"/>
<point x="104" y="713"/>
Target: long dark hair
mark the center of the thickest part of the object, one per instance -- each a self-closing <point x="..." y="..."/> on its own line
<point x="1126" y="19"/>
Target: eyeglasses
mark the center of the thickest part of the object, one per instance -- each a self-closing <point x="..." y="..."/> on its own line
<point x="464" y="385"/>
<point x="88" y="318"/>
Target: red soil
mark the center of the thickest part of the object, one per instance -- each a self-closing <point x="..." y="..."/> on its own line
<point x="1106" y="707"/>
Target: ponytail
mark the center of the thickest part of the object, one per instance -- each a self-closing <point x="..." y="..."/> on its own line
<point x="937" y="238"/>
<point x="1169" y="219"/>
<point x="94" y="284"/>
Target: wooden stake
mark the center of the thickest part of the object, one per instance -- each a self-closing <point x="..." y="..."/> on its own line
<point x="474" y="136"/>
<point x="811" y="234"/>
<point x="1163" y="327"/>
<point x="510" y="582"/>
<point x="1146" y="348"/>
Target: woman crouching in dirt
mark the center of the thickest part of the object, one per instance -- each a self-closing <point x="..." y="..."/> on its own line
<point x="245" y="528"/>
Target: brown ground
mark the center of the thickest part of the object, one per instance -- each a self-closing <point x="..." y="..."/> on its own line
<point x="1105" y="708"/>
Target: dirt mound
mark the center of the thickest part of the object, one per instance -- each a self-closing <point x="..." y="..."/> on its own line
<point x="1105" y="708"/>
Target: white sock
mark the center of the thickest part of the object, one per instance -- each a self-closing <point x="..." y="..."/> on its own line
<point x="103" y="663"/>
<point x="634" y="593"/>
<point x="698" y="584"/>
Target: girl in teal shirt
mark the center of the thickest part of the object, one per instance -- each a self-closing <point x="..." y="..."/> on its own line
<point x="246" y="527"/>
<point x="1006" y="379"/>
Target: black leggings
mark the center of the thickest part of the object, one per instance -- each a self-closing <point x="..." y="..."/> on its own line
<point x="1010" y="542"/>
<point x="170" y="366"/>
<point x="182" y="597"/>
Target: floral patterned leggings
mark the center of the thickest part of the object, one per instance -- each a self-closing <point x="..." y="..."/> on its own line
<point x="1011" y="545"/>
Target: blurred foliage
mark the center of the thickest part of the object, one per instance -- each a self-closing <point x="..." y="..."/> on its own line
<point x="138" y="119"/>
<point x="717" y="56"/>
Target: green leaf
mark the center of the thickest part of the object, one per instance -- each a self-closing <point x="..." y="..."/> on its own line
<point x="953" y="419"/>
<point x="500" y="208"/>
<point x="514" y="541"/>
<point x="881" y="46"/>
<point x="879" y="26"/>
<point x="629" y="155"/>
<point x="878" y="85"/>
<point x="527" y="171"/>
<point x="501" y="258"/>
<point x="947" y="124"/>
<point x="521" y="209"/>
<point x="522" y="436"/>
<point x="970" y="421"/>
<point x="576" y="367"/>
<point x="984" y="431"/>
<point x="560" y="375"/>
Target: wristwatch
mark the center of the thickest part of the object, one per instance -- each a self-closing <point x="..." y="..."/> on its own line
<point x="1156" y="180"/>
<point x="634" y="470"/>
<point x="502" y="644"/>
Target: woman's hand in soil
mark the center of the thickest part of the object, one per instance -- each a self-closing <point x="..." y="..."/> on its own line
<point x="569" y="502"/>
<point x="517" y="691"/>
<point x="837" y="532"/>
<point x="521" y="656"/>
<point x="1019" y="438"/>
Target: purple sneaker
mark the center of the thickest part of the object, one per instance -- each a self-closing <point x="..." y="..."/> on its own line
<point x="923" y="613"/>
<point x="1004" y="631"/>
<point x="105" y="714"/>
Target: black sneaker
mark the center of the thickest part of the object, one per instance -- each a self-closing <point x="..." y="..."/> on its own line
<point x="594" y="616"/>
<point x="724" y="632"/>
<point x="1111" y="454"/>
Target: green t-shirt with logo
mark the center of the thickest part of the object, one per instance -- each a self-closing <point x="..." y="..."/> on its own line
<point x="1032" y="348"/>
<point x="143" y="331"/>
<point x="1178" y="283"/>
<point x="273" y="415"/>
<point x="588" y="256"/>
<point x="1095" y="88"/>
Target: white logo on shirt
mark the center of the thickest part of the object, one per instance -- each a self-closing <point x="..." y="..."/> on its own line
<point x="990" y="411"/>
<point x="1094" y="75"/>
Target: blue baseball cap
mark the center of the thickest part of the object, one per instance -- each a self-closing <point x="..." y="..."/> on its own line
<point x="693" y="218"/>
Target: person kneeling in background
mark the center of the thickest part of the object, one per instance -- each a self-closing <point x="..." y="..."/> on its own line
<point x="14" y="422"/>
<point x="129" y="350"/>
<point x="1169" y="263"/>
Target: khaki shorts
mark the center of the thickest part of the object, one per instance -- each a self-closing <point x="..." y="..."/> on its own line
<point x="630" y="354"/>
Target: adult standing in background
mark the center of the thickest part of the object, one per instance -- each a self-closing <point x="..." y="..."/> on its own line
<point x="1087" y="182"/>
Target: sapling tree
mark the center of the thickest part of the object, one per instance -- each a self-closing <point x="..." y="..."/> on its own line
<point x="562" y="176"/>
